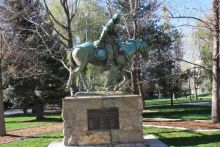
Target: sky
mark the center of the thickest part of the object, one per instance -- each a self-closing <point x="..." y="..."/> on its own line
<point x="195" y="8"/>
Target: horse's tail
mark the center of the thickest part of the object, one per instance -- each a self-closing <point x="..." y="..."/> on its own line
<point x="72" y="63"/>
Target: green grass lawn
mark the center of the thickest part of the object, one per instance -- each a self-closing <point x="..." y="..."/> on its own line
<point x="156" y="101"/>
<point x="179" y="112"/>
<point x="28" y="120"/>
<point x="37" y="141"/>
<point x="172" y="137"/>
<point x="175" y="137"/>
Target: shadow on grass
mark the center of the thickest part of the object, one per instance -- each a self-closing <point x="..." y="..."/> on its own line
<point x="48" y="117"/>
<point x="185" y="138"/>
<point x="20" y="115"/>
<point x="16" y="136"/>
<point x="37" y="136"/>
<point x="175" y="112"/>
<point x="192" y="140"/>
<point x="31" y="115"/>
<point x="169" y="107"/>
<point x="45" y="136"/>
<point x="204" y="95"/>
<point x="45" y="120"/>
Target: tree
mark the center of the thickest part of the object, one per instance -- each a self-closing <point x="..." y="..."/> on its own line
<point x="161" y="67"/>
<point x="48" y="88"/>
<point x="2" y="120"/>
<point x="28" y="35"/>
<point x="25" y="42"/>
<point x="215" y="66"/>
<point x="214" y="28"/>
<point x="65" y="32"/>
<point x="204" y="38"/>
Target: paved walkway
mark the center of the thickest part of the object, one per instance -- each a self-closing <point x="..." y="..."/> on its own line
<point x="149" y="141"/>
<point x="15" y="111"/>
<point x="152" y="141"/>
<point x="207" y="104"/>
<point x="182" y="128"/>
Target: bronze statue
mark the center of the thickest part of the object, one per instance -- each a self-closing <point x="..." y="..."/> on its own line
<point x="107" y="52"/>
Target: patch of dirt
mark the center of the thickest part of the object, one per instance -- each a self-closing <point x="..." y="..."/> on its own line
<point x="27" y="132"/>
<point x="146" y="111"/>
<point x="194" y="125"/>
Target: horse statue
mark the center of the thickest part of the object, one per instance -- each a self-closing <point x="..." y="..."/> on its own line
<point x="87" y="53"/>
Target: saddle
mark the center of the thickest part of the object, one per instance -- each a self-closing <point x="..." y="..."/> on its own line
<point x="100" y="53"/>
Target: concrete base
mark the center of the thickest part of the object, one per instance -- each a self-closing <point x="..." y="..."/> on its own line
<point x="61" y="144"/>
<point x="149" y="141"/>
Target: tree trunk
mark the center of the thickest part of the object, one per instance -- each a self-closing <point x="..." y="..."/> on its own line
<point x="140" y="85"/>
<point x="196" y="95"/>
<point x="190" y="96"/>
<point x="171" y="99"/>
<point x="135" y="66"/>
<point x="159" y="96"/>
<point x="195" y="85"/>
<point x="2" y="119"/>
<point x="215" y="59"/>
<point x="24" y="109"/>
<point x="39" y="110"/>
<point x="134" y="78"/>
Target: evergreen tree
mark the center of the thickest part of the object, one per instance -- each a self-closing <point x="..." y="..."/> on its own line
<point x="29" y="35"/>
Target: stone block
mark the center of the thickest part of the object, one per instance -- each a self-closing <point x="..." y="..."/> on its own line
<point x="91" y="104"/>
<point x="81" y="126"/>
<point x="109" y="103"/>
<point x="81" y="115"/>
<point x="128" y="103"/>
<point x="95" y="137"/>
<point x="76" y="120"/>
<point x="126" y="136"/>
<point x="140" y="104"/>
<point x="73" y="140"/>
<point x="136" y="136"/>
<point x="67" y="132"/>
<point x="69" y="115"/>
<point x="126" y="124"/>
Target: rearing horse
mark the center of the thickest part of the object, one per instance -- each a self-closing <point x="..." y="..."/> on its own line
<point x="86" y="53"/>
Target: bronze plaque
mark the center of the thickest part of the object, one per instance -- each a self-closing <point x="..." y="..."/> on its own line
<point x="103" y="119"/>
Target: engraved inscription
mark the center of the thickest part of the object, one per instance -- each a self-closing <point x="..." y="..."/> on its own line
<point x="102" y="119"/>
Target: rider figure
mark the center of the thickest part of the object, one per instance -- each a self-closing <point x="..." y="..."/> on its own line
<point x="109" y="39"/>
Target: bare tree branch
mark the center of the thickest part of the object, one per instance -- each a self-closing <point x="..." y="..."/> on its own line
<point x="189" y="17"/>
<point x="52" y="16"/>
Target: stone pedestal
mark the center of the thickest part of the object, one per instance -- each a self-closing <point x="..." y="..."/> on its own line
<point x="75" y="116"/>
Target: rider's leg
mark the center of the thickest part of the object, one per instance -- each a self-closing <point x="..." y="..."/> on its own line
<point x="112" y="74"/>
<point x="109" y="51"/>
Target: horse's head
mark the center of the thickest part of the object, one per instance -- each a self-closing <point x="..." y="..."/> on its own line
<point x="141" y="45"/>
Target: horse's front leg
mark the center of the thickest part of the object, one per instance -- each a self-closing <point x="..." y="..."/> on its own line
<point x="112" y="74"/>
